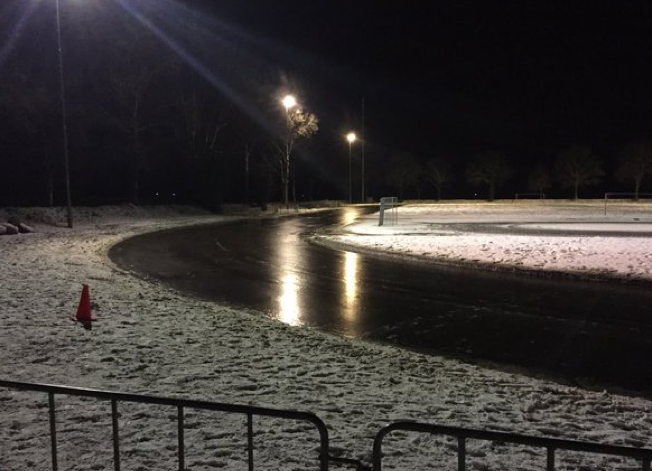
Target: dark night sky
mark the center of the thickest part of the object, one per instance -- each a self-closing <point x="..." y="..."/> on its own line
<point x="526" y="78"/>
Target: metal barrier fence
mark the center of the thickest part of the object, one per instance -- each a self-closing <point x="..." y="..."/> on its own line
<point x="461" y="434"/>
<point x="180" y="404"/>
<point x="550" y="444"/>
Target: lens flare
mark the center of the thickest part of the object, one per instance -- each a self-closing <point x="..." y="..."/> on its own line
<point x="16" y="31"/>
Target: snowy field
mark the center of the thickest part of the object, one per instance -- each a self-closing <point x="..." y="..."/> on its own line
<point x="578" y="248"/>
<point x="153" y="341"/>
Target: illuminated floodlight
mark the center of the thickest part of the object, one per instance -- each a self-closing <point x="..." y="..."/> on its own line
<point x="289" y="102"/>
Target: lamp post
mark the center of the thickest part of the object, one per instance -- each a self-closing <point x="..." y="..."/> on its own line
<point x="64" y="118"/>
<point x="351" y="138"/>
<point x="288" y="102"/>
<point x="363" y="198"/>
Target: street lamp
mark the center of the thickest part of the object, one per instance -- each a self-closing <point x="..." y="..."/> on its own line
<point x="64" y="118"/>
<point x="351" y="138"/>
<point x="288" y="102"/>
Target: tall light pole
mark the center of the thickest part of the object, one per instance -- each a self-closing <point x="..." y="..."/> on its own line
<point x="363" y="200"/>
<point x="64" y="118"/>
<point x="351" y="138"/>
<point x="288" y="102"/>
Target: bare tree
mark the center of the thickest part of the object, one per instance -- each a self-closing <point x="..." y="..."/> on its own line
<point x="134" y="77"/>
<point x="438" y="174"/>
<point x="203" y="120"/>
<point x="488" y="168"/>
<point x="30" y="109"/>
<point x="403" y="173"/>
<point x="539" y="179"/>
<point x="203" y="123"/>
<point x="299" y="124"/>
<point x="249" y="144"/>
<point x="576" y="167"/>
<point x="635" y="164"/>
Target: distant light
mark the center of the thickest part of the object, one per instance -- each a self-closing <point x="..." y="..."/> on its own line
<point x="351" y="137"/>
<point x="289" y="102"/>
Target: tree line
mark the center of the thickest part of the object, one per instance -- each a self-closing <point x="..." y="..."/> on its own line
<point x="574" y="169"/>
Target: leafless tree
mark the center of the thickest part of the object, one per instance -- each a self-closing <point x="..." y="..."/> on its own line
<point x="299" y="124"/>
<point x="578" y="166"/>
<point x="539" y="179"/>
<point x="140" y="63"/>
<point x="635" y="164"/>
<point x="488" y="168"/>
<point x="404" y="172"/>
<point x="438" y="174"/>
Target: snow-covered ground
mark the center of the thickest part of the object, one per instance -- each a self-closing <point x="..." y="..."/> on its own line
<point x="150" y="340"/>
<point x="579" y="248"/>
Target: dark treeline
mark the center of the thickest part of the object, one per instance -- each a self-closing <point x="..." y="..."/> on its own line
<point x="164" y="115"/>
<point x="574" y="172"/>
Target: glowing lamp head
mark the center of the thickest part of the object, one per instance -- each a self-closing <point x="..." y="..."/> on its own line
<point x="351" y="137"/>
<point x="289" y="102"/>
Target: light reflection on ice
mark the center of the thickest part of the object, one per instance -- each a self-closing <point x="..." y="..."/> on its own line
<point x="349" y="216"/>
<point x="350" y="279"/>
<point x="288" y="263"/>
<point x="289" y="311"/>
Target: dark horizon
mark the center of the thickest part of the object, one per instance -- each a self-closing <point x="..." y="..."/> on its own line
<point x="535" y="76"/>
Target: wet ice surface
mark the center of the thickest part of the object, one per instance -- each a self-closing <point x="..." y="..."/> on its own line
<point x="153" y="341"/>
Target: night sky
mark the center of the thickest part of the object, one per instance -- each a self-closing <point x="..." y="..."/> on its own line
<point x="438" y="79"/>
<point x="526" y="78"/>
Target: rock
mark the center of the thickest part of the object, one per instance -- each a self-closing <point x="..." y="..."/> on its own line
<point x="3" y="229"/>
<point x="24" y="228"/>
<point x="11" y="229"/>
<point x="14" y="221"/>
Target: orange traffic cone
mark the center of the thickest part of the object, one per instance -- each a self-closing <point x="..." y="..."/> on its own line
<point x="84" y="310"/>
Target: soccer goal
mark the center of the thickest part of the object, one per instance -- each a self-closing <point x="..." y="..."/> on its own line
<point x="630" y="196"/>
<point x="390" y="204"/>
<point x="531" y="196"/>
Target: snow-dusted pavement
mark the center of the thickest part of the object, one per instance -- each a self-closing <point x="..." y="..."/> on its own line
<point x="150" y="340"/>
